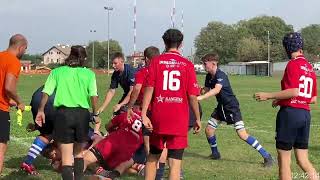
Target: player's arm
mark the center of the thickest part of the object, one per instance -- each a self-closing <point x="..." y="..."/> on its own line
<point x="204" y="90"/>
<point x="314" y="93"/>
<point x="212" y="92"/>
<point x="107" y="100"/>
<point x="292" y="80"/>
<point x="195" y="108"/>
<point x="127" y="98"/>
<point x="284" y="94"/>
<point x="146" y="143"/>
<point x="11" y="89"/>
<point x="145" y="104"/>
<point x="134" y="95"/>
<point x="313" y="100"/>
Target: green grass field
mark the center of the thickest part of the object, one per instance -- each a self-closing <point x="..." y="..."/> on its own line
<point x="239" y="161"/>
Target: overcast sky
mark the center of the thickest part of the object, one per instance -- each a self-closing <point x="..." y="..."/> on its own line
<point x="49" y="22"/>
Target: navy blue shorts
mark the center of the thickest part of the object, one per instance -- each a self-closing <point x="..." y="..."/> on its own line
<point x="140" y="156"/>
<point x="229" y="113"/>
<point x="292" y="128"/>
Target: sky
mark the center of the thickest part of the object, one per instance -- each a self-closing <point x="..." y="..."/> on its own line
<point x="46" y="23"/>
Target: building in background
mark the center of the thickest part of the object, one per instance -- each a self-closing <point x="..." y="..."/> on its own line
<point x="136" y="59"/>
<point x="25" y="65"/>
<point x="56" y="54"/>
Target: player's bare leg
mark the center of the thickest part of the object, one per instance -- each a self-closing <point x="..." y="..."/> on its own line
<point x="88" y="159"/>
<point x="252" y="141"/>
<point x="304" y="163"/>
<point x="67" y="160"/>
<point x="124" y="166"/>
<point x="3" y="149"/>
<point x="151" y="166"/>
<point x="175" y="168"/>
<point x="284" y="162"/>
<point x="162" y="163"/>
<point x="243" y="134"/>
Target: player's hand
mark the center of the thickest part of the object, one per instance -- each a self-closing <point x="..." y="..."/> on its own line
<point x="96" y="119"/>
<point x="202" y="90"/>
<point x="97" y="133"/>
<point x="40" y="118"/>
<point x="147" y="123"/>
<point x="116" y="107"/>
<point x="12" y="103"/>
<point x="21" y="106"/>
<point x="200" y="98"/>
<point x="275" y="103"/>
<point x="100" y="110"/>
<point x="197" y="127"/>
<point x="261" y="96"/>
<point x="130" y="114"/>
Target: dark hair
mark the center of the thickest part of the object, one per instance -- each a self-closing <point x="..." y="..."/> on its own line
<point x="77" y="56"/>
<point x="172" y="38"/>
<point x="292" y="42"/>
<point x="117" y="55"/>
<point x="210" y="57"/>
<point x="151" y="52"/>
<point x="46" y="151"/>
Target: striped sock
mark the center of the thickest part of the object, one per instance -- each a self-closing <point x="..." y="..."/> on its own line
<point x="138" y="167"/>
<point x="213" y="144"/>
<point x="36" y="148"/>
<point x="160" y="171"/>
<point x="256" y="145"/>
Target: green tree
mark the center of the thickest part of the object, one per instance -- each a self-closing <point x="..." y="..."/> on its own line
<point x="217" y="37"/>
<point x="311" y="36"/>
<point x="259" y="27"/>
<point x="101" y="52"/>
<point x="34" y="58"/>
<point x="250" y="49"/>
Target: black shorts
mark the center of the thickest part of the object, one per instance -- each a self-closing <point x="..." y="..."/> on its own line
<point x="47" y="127"/>
<point x="229" y="113"/>
<point x="71" y="125"/>
<point x="292" y="128"/>
<point x="140" y="156"/>
<point x="100" y="158"/>
<point x="4" y="126"/>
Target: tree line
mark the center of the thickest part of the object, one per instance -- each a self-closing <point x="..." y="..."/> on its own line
<point x="247" y="40"/>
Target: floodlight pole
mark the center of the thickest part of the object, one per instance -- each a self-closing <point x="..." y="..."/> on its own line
<point x="108" y="9"/>
<point x="268" y="53"/>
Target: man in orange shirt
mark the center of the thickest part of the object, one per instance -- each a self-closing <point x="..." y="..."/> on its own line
<point x="9" y="72"/>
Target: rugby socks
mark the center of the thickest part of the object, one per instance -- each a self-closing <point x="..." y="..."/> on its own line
<point x="78" y="168"/>
<point x="160" y="171"/>
<point x="36" y="148"/>
<point x="67" y="172"/>
<point x="138" y="167"/>
<point x="256" y="145"/>
<point x="213" y="144"/>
